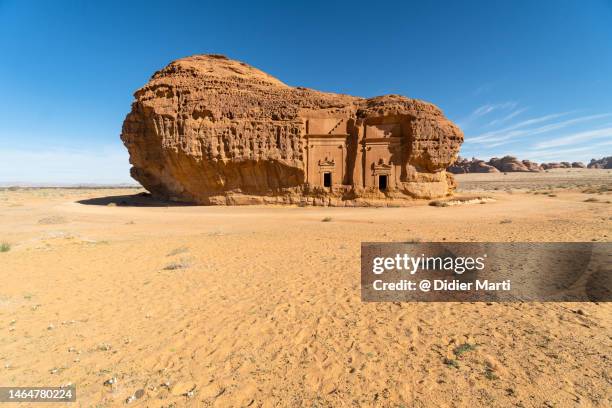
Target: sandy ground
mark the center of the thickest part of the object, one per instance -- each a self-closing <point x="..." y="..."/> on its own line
<point x="260" y="306"/>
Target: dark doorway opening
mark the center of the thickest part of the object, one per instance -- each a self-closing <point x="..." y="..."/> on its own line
<point x="327" y="180"/>
<point x="382" y="183"/>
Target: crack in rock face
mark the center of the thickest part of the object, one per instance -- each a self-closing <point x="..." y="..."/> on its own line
<point x="210" y="130"/>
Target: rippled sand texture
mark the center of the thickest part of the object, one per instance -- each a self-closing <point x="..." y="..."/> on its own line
<point x="133" y="300"/>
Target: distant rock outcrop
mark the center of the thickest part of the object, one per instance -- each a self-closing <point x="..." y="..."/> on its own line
<point x="504" y="164"/>
<point x="471" y="166"/>
<point x="555" y="165"/>
<point x="603" y="163"/>
<point x="210" y="130"/>
<point x="511" y="164"/>
<point x="531" y="166"/>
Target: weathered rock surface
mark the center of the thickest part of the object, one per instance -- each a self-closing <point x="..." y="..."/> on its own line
<point x="210" y="130"/>
<point x="603" y="163"/>
<point x="578" y="165"/>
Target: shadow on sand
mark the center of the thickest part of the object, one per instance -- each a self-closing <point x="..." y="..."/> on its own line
<point x="132" y="200"/>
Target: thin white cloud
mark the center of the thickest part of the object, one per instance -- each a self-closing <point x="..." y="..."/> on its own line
<point x="579" y="137"/>
<point x="577" y="153"/>
<point x="482" y="89"/>
<point x="485" y="110"/>
<point x="533" y="121"/>
<point x="561" y="152"/>
<point x="506" y="118"/>
<point x="512" y="133"/>
<point x="495" y="144"/>
<point x="518" y="125"/>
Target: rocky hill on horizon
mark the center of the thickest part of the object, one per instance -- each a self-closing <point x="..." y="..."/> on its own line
<point x="509" y="163"/>
<point x="603" y="163"/>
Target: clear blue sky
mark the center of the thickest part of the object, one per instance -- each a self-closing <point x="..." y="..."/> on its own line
<point x="529" y="78"/>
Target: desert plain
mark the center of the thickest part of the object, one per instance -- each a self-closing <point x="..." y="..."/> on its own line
<point x="145" y="303"/>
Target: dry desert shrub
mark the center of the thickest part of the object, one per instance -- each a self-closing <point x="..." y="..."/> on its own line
<point x="490" y="373"/>
<point x="451" y="362"/>
<point x="5" y="247"/>
<point x="596" y="200"/>
<point x="463" y="348"/>
<point x="459" y="201"/>
<point x="182" y="263"/>
<point x="326" y="219"/>
<point x="597" y="189"/>
<point x="177" y="251"/>
<point x="52" y="220"/>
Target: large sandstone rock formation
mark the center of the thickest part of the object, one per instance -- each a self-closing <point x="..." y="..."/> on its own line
<point x="210" y="130"/>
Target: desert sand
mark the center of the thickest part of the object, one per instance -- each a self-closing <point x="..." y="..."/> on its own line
<point x="163" y="305"/>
